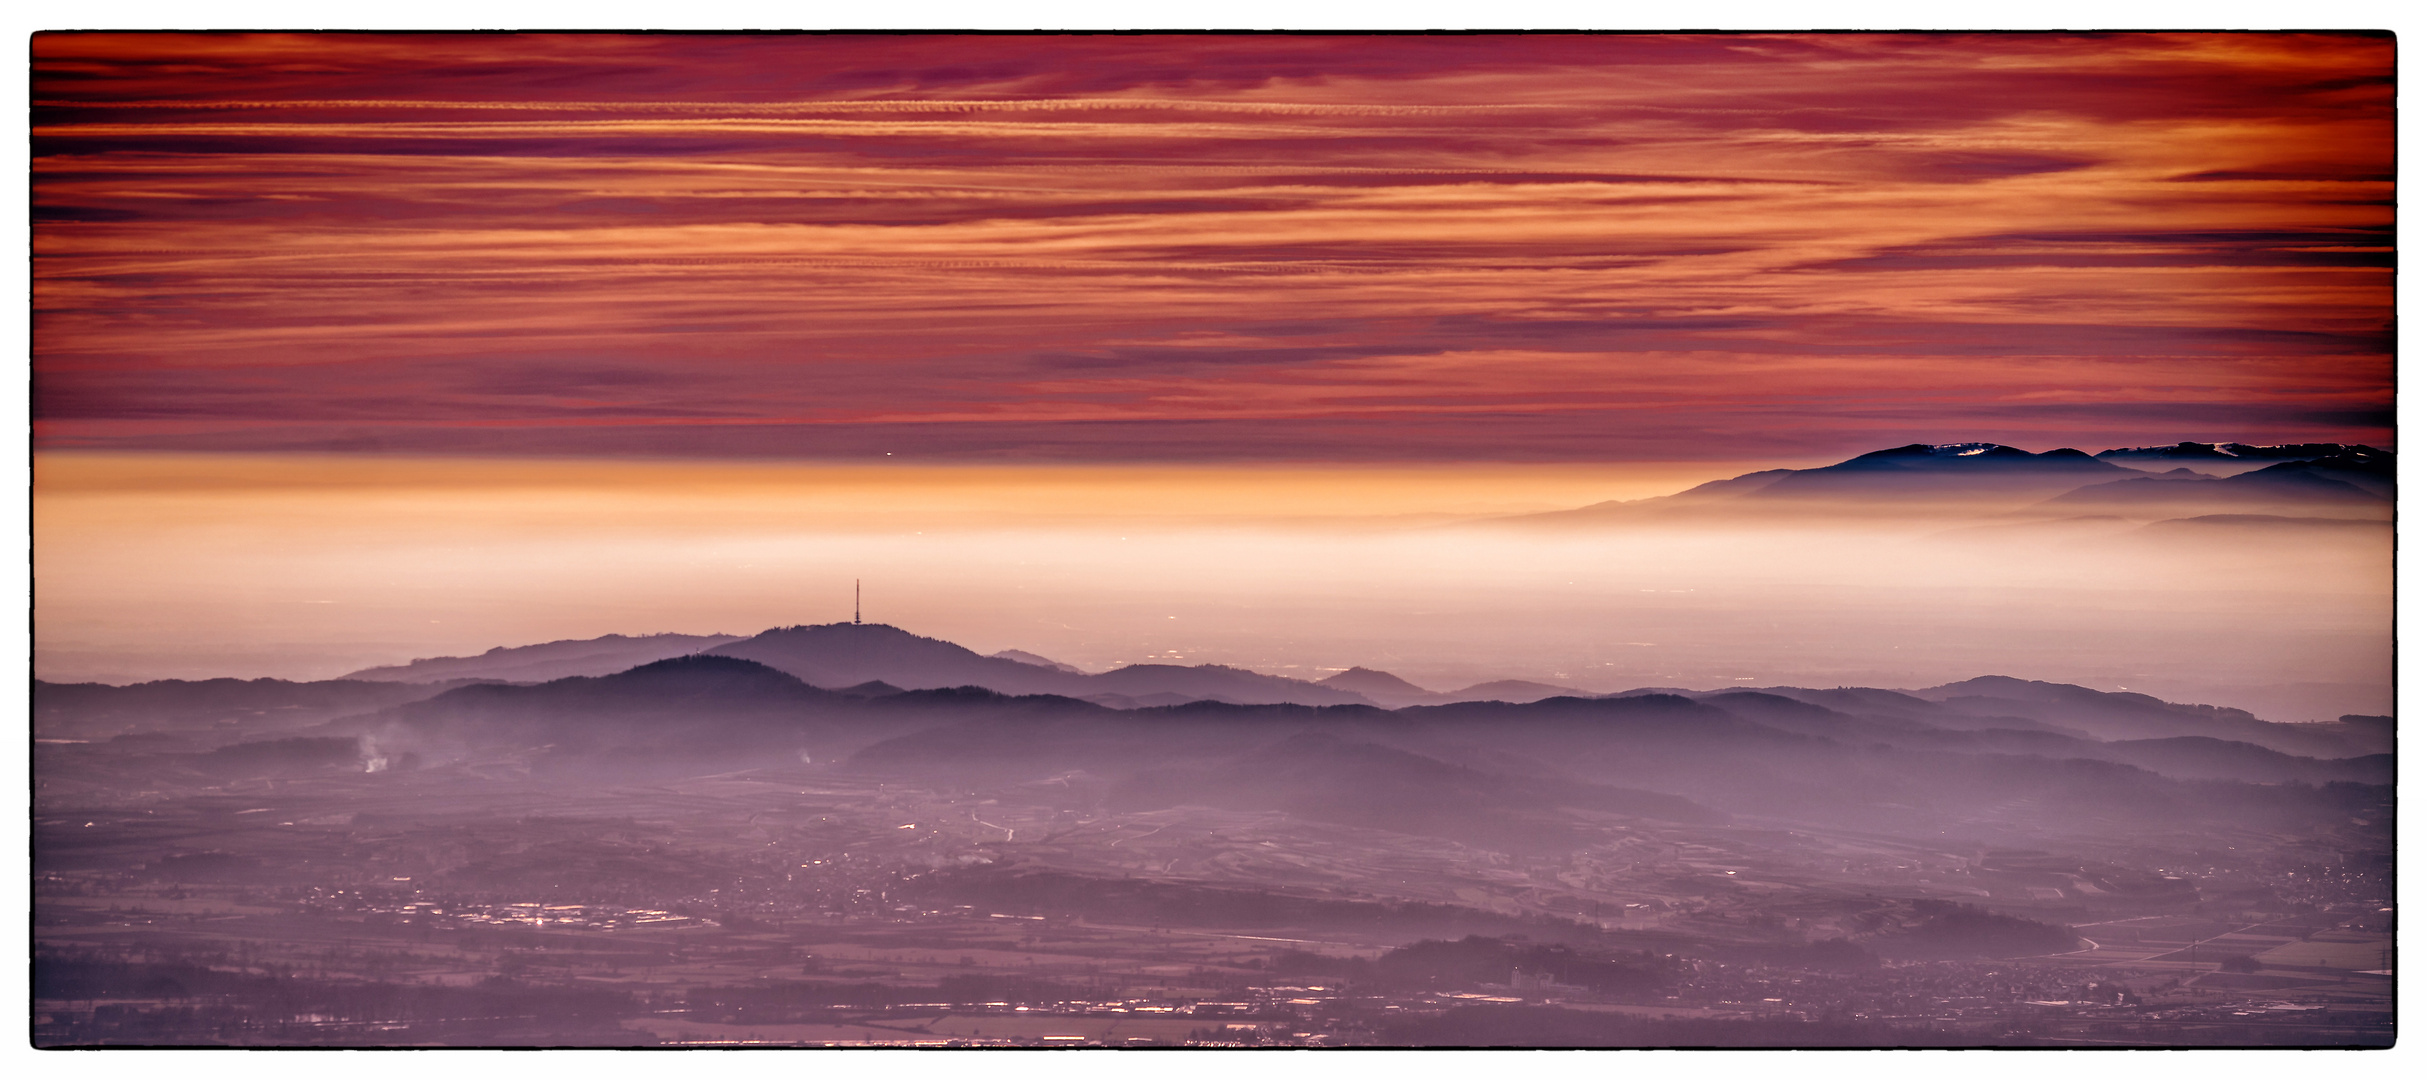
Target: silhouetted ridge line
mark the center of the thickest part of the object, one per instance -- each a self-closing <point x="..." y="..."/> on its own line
<point x="549" y="660"/>
<point x="847" y="654"/>
<point x="1977" y="478"/>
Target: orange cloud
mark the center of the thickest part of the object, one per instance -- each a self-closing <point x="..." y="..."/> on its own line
<point x="1615" y="248"/>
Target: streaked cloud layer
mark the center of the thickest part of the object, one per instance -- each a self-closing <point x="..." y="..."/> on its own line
<point x="1536" y="248"/>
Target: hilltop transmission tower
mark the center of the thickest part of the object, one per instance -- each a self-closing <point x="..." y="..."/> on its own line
<point x="855" y="601"/>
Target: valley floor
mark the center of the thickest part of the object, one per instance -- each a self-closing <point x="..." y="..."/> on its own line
<point x="803" y="906"/>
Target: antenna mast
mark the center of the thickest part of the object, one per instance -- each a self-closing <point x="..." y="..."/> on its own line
<point x="855" y="601"/>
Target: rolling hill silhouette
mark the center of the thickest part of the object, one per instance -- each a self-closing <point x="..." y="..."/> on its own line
<point x="1996" y="753"/>
<point x="2346" y="480"/>
<point x="845" y="654"/>
<point x="548" y="660"/>
<point x="1394" y="692"/>
<point x="1381" y="687"/>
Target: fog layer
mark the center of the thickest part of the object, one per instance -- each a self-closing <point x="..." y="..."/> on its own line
<point x="158" y="567"/>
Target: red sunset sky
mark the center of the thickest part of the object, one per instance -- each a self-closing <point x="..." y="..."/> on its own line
<point x="1215" y="248"/>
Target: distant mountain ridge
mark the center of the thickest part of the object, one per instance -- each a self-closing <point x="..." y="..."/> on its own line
<point x="1508" y="776"/>
<point x="2345" y="479"/>
<point x="1380" y="686"/>
<point x="1951" y="475"/>
<point x="1026" y="657"/>
<point x="846" y="654"/>
<point x="548" y="660"/>
<point x="2200" y="451"/>
<point x="875" y="660"/>
<point x="98" y="710"/>
<point x="1394" y="692"/>
<point x="1986" y="714"/>
<point x="1950" y="468"/>
<point x="1988" y="711"/>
